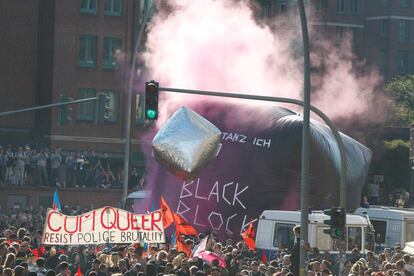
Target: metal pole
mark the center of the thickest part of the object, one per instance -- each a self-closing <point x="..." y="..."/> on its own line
<point x="133" y="72"/>
<point x="12" y="112"/>
<point x="304" y="194"/>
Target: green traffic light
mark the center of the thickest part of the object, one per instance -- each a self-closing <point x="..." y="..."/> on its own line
<point x="151" y="114"/>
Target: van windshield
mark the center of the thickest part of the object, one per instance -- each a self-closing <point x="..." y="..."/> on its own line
<point x="324" y="241"/>
<point x="380" y="227"/>
<point x="354" y="238"/>
<point x="409" y="232"/>
<point x="283" y="237"/>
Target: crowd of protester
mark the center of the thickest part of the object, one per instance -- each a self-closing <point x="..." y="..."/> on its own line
<point x="27" y="165"/>
<point x="22" y="254"/>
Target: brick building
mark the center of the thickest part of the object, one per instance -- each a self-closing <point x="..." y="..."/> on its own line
<point x="74" y="48"/>
<point x="382" y="30"/>
<point x="71" y="48"/>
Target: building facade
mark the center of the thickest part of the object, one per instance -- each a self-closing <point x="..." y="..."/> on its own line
<point x="73" y="48"/>
<point x="77" y="49"/>
<point x="382" y="30"/>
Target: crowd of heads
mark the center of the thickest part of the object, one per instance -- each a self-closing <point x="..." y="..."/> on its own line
<point x="25" y="165"/>
<point x="22" y="254"/>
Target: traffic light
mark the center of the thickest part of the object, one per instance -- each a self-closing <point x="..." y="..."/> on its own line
<point x="151" y="100"/>
<point x="102" y="112"/>
<point x="64" y="111"/>
<point x="337" y="223"/>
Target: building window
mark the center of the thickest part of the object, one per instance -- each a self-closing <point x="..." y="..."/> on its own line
<point x="383" y="28"/>
<point x="113" y="7"/>
<point x="402" y="62"/>
<point x="283" y="8"/>
<point x="383" y="62"/>
<point x="405" y="3"/>
<point x="139" y="109"/>
<point x="265" y="8"/>
<point x="318" y="5"/>
<point x="340" y="32"/>
<point x="283" y="13"/>
<point x="144" y="5"/>
<point x="354" y="7"/>
<point x="355" y="35"/>
<point x="340" y="7"/>
<point x="111" y="51"/>
<point x="113" y="105"/>
<point x="383" y="3"/>
<point x="403" y="31"/>
<point x="87" y="51"/>
<point x="86" y="110"/>
<point x="89" y="6"/>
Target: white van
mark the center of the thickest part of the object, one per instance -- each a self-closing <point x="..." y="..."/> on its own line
<point x="274" y="231"/>
<point x="392" y="225"/>
<point x="138" y="202"/>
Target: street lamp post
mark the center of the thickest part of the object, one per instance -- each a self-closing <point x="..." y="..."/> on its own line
<point x="304" y="191"/>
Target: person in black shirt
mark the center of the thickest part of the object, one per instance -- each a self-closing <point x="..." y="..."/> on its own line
<point x="95" y="164"/>
<point x="79" y="170"/>
<point x="108" y="177"/>
<point x="86" y="169"/>
<point x="53" y="260"/>
<point x="95" y="267"/>
<point x="11" y="161"/>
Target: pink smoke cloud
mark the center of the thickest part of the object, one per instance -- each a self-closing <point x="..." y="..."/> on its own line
<point x="218" y="45"/>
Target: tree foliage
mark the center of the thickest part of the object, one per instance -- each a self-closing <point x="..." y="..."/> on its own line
<point x="395" y="165"/>
<point x="401" y="91"/>
<point x="397" y="146"/>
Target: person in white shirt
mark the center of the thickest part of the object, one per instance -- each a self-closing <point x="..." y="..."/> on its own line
<point x="409" y="264"/>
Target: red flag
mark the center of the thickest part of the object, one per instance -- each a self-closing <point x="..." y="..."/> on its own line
<point x="248" y="237"/>
<point x="183" y="247"/>
<point x="264" y="257"/>
<point x="79" y="272"/>
<point x="167" y="214"/>
<point x="182" y="227"/>
<point x="35" y="253"/>
<point x="38" y="252"/>
<point x="41" y="250"/>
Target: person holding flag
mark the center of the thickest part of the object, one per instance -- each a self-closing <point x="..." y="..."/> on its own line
<point x="182" y="227"/>
<point x="248" y="237"/>
<point x="56" y="202"/>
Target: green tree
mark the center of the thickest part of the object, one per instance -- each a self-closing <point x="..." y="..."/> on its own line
<point x="396" y="165"/>
<point x="401" y="91"/>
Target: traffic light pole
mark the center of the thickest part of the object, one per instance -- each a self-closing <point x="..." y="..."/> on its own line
<point x="129" y="102"/>
<point x="13" y="112"/>
<point x="304" y="191"/>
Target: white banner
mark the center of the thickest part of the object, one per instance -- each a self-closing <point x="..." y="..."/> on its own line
<point x="104" y="225"/>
